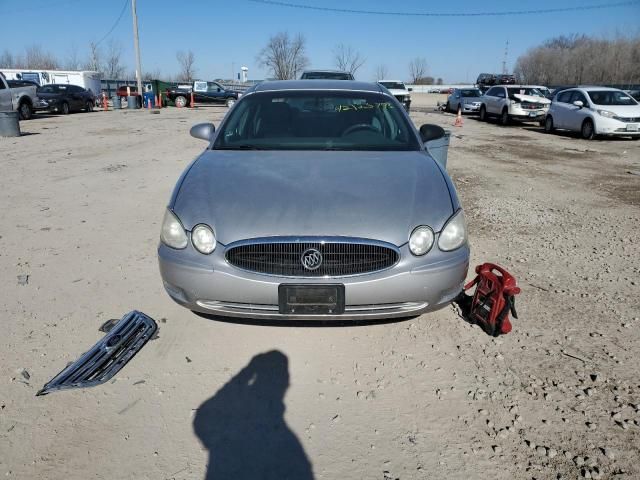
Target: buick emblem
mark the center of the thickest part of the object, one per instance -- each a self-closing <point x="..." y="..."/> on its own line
<point x="311" y="259"/>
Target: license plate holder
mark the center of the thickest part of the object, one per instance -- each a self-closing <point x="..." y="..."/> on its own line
<point x="633" y="127"/>
<point x="307" y="299"/>
<point x="534" y="114"/>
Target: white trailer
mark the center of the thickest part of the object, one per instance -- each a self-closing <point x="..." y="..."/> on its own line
<point x="86" y="79"/>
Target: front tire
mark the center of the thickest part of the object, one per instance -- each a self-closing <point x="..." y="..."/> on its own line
<point x="447" y="107"/>
<point x="64" y="108"/>
<point x="504" y="117"/>
<point x="483" y="113"/>
<point x="181" y="101"/>
<point x="88" y="107"/>
<point x="548" y="124"/>
<point x="230" y="102"/>
<point x="588" y="130"/>
<point x="25" y="110"/>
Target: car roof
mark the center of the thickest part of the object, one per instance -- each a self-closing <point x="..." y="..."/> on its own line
<point x="346" y="85"/>
<point x="395" y="81"/>
<point x="589" y="87"/>
<point x="509" y="85"/>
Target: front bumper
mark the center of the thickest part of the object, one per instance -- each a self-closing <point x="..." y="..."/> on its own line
<point x="41" y="105"/>
<point x="529" y="116"/>
<point x="208" y="284"/>
<point x="470" y="107"/>
<point x="613" y="127"/>
<point x="405" y="100"/>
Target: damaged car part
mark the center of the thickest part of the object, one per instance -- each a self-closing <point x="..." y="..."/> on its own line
<point x="107" y="357"/>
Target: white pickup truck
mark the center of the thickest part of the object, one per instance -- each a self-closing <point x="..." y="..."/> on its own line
<point x="21" y="98"/>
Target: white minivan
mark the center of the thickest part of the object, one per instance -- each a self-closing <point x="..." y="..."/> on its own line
<point x="594" y="111"/>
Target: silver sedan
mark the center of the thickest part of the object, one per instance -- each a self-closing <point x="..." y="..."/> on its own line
<point x="314" y="200"/>
<point x="465" y="99"/>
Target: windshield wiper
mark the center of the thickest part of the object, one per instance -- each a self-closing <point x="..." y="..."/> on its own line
<point x="239" y="147"/>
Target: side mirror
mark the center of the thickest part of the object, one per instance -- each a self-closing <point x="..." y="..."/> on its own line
<point x="203" y="131"/>
<point x="219" y="89"/>
<point x="578" y="103"/>
<point x="430" y="132"/>
<point x="410" y="89"/>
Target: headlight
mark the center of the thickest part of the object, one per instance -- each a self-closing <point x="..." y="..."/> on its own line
<point x="454" y="233"/>
<point x="172" y="233"/>
<point x="203" y="239"/>
<point x="607" y="113"/>
<point x="421" y="240"/>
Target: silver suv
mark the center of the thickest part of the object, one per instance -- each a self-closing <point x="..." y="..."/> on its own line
<point x="514" y="102"/>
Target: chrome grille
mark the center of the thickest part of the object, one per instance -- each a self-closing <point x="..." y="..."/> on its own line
<point x="339" y="258"/>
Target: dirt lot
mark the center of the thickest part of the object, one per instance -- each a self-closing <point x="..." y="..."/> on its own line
<point x="427" y="398"/>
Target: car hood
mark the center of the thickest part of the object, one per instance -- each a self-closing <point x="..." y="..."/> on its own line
<point x="625" y="111"/>
<point x="398" y="91"/>
<point x="376" y="195"/>
<point x="532" y="98"/>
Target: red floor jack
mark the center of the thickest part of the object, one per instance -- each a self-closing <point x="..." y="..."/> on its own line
<point x="492" y="301"/>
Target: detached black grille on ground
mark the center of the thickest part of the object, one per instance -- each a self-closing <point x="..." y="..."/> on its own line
<point x="108" y="356"/>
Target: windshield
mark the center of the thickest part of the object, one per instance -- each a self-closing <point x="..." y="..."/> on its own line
<point x="326" y="76"/>
<point x="534" y="92"/>
<point x="470" y="93"/>
<point x="50" y="89"/>
<point x="393" y="85"/>
<point x="610" y="97"/>
<point x="316" y="121"/>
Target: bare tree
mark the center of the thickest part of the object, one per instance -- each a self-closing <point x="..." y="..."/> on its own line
<point x="580" y="59"/>
<point x="95" y="58"/>
<point x="187" y="62"/>
<point x="72" y="61"/>
<point x="36" y="57"/>
<point x="284" y="56"/>
<point x="7" y="59"/>
<point x="347" y="59"/>
<point x="154" y="74"/>
<point x="113" y="68"/>
<point x="381" y="73"/>
<point x="417" y="69"/>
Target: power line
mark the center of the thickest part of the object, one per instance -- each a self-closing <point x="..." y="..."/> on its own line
<point x="450" y="14"/>
<point x="124" y="7"/>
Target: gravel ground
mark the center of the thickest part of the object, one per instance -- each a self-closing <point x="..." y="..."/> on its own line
<point x="430" y="397"/>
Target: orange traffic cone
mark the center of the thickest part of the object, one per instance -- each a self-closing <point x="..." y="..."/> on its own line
<point x="192" y="102"/>
<point x="458" y="122"/>
<point x="159" y="100"/>
<point x="105" y="103"/>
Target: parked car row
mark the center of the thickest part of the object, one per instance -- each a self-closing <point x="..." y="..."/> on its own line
<point x="27" y="97"/>
<point x="591" y="111"/>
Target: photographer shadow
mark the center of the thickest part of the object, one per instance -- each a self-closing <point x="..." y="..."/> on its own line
<point x="243" y="426"/>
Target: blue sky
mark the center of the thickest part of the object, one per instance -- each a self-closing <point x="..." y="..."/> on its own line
<point x="226" y="33"/>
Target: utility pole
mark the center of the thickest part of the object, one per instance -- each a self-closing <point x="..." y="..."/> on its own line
<point x="233" y="68"/>
<point x="136" y="45"/>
